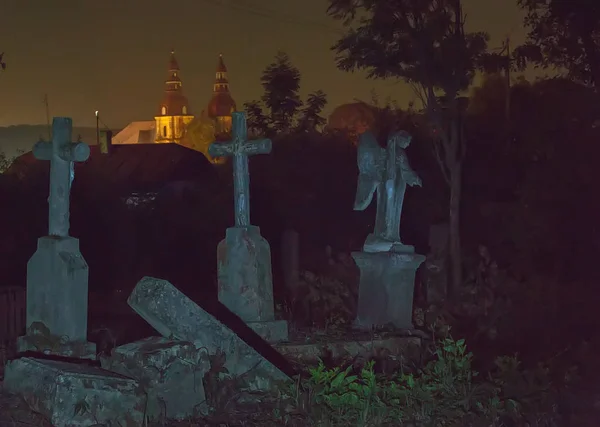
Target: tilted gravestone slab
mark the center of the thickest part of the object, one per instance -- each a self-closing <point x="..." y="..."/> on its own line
<point x="76" y="395"/>
<point x="170" y="372"/>
<point x="175" y="316"/>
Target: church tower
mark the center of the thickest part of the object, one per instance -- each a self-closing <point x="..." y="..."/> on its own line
<point x="174" y="111"/>
<point x="221" y="104"/>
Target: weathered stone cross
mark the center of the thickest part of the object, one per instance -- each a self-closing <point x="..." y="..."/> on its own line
<point x="61" y="153"/>
<point x="240" y="148"/>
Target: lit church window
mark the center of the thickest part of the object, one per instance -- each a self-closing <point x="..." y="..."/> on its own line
<point x="184" y="110"/>
<point x="164" y="110"/>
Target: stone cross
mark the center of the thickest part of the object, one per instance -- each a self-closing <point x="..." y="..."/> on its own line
<point x="61" y="153"/>
<point x="240" y="148"/>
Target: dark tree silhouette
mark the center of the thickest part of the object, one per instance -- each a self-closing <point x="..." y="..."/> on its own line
<point x="257" y="122"/>
<point x="281" y="82"/>
<point x="2" y="63"/>
<point x="424" y="44"/>
<point x="564" y="35"/>
<point x="311" y="119"/>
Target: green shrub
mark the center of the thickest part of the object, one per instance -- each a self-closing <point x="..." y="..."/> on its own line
<point x="445" y="392"/>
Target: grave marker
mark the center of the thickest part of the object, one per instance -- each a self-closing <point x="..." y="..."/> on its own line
<point x="57" y="274"/>
<point x="244" y="256"/>
<point x="387" y="266"/>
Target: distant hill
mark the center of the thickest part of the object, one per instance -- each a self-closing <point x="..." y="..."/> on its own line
<point x="23" y="137"/>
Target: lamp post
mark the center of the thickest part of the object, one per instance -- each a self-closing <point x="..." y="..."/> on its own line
<point x="97" y="129"/>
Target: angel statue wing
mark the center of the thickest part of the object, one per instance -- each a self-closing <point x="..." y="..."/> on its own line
<point x="370" y="158"/>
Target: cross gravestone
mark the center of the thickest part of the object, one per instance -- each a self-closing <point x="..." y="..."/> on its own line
<point x="57" y="299"/>
<point x="387" y="266"/>
<point x="57" y="274"/>
<point x="244" y="256"/>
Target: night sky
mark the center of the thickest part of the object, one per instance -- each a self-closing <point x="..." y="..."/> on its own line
<point x="111" y="55"/>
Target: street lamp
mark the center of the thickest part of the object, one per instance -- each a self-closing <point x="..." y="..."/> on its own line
<point x="97" y="129"/>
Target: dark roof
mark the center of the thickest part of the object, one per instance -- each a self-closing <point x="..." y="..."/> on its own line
<point x="136" y="167"/>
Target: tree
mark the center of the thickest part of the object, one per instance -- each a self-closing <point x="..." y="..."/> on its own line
<point x="311" y="119"/>
<point x="7" y="161"/>
<point x="423" y="43"/>
<point x="281" y="82"/>
<point x="200" y="133"/>
<point x="257" y="122"/>
<point x="2" y="63"/>
<point x="563" y="35"/>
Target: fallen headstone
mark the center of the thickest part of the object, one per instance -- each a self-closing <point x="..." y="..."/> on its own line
<point x="170" y="372"/>
<point x="177" y="317"/>
<point x="74" y="394"/>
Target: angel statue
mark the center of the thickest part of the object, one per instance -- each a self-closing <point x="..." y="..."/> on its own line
<point x="387" y="171"/>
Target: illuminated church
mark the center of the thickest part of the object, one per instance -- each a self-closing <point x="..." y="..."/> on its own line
<point x="175" y="122"/>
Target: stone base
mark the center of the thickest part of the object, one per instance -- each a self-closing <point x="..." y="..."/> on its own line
<point x="170" y="372"/>
<point x="244" y="273"/>
<point x="386" y="288"/>
<point x="272" y="332"/>
<point x="54" y="346"/>
<point x="57" y="292"/>
<point x="70" y="395"/>
<point x="375" y="244"/>
<point x="177" y="317"/>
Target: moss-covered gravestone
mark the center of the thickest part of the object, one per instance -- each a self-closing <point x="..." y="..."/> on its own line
<point x="57" y="274"/>
<point x="244" y="256"/>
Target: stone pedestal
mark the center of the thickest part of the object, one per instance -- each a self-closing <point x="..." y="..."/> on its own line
<point x="171" y="373"/>
<point x="71" y="395"/>
<point x="57" y="300"/>
<point x="246" y="282"/>
<point x="386" y="288"/>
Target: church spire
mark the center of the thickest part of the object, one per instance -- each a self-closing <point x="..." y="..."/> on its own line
<point x="221" y="81"/>
<point x="174" y="111"/>
<point x="221" y="104"/>
<point x="173" y="82"/>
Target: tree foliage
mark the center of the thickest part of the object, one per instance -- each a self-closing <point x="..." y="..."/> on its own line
<point x="421" y="42"/>
<point x="2" y="63"/>
<point x="564" y="35"/>
<point x="281" y="82"/>
<point x="258" y="123"/>
<point x="311" y="119"/>
<point x="200" y="133"/>
<point x="280" y="109"/>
